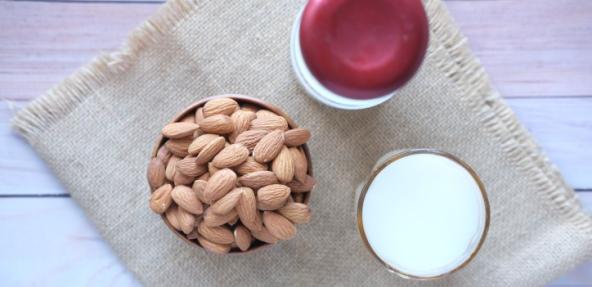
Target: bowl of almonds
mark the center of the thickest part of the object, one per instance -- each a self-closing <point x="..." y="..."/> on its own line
<point x="231" y="174"/>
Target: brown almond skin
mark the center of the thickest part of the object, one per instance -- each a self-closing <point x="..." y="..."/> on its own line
<point x="210" y="151"/>
<point x="250" y="138"/>
<point x="298" y="197"/>
<point x="186" y="198"/>
<point x="242" y="237"/>
<point x="220" y="184"/>
<point x="231" y="156"/>
<point x="283" y="166"/>
<point x="211" y="218"/>
<point x="212" y="246"/>
<point x="200" y="143"/>
<point x="262" y="113"/>
<point x="179" y="147"/>
<point x="298" y="213"/>
<point x="300" y="164"/>
<point x="198" y="188"/>
<point x="269" y="146"/>
<point x="223" y="106"/>
<point x="247" y="210"/>
<point x="171" y="168"/>
<point x="217" y="124"/>
<point x="258" y="179"/>
<point x="171" y="216"/>
<point x="199" y="115"/>
<point x="186" y="220"/>
<point x="306" y="186"/>
<point x="269" y="123"/>
<point x="164" y="154"/>
<point x="188" y="166"/>
<point x="179" y="130"/>
<point x="204" y="176"/>
<point x="241" y="121"/>
<point x="264" y="235"/>
<point x="296" y="137"/>
<point x="250" y="165"/>
<point x="182" y="179"/>
<point x="279" y="226"/>
<point x="272" y="197"/>
<point x="161" y="199"/>
<point x="156" y="173"/>
<point x="188" y="119"/>
<point x="227" y="203"/>
<point x="217" y="234"/>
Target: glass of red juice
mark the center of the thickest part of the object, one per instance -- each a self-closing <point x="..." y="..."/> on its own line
<point x="355" y="54"/>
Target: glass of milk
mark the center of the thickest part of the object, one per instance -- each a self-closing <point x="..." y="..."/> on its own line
<point x="423" y="213"/>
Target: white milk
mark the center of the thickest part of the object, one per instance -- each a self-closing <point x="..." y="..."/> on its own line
<point x="424" y="215"/>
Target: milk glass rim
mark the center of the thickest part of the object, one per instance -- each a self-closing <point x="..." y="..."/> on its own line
<point x="402" y="154"/>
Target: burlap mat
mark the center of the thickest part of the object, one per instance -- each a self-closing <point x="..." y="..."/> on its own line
<point x="96" y="131"/>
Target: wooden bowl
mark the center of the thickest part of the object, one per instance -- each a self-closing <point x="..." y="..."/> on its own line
<point x="242" y="100"/>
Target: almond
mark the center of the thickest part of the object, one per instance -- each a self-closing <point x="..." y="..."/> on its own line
<point x="296" y="137"/>
<point x="198" y="188"/>
<point x="179" y="130"/>
<point x="272" y="197"/>
<point x="179" y="146"/>
<point x="217" y="124"/>
<point x="220" y="184"/>
<point x="300" y="164"/>
<point x="269" y="146"/>
<point x="283" y="165"/>
<point x="299" y="197"/>
<point x="171" y="217"/>
<point x="250" y="138"/>
<point x="211" y="168"/>
<point x="265" y="113"/>
<point x="188" y="166"/>
<point x="249" y="166"/>
<point x="164" y="154"/>
<point x="188" y="119"/>
<point x="210" y="150"/>
<point x="186" y="220"/>
<point x="247" y="210"/>
<point x="231" y="156"/>
<point x="241" y="121"/>
<point x="199" y="115"/>
<point x="264" y="235"/>
<point x="250" y="108"/>
<point x="298" y="213"/>
<point x="156" y="173"/>
<point x="242" y="237"/>
<point x="279" y="226"/>
<point x="182" y="179"/>
<point x="269" y="123"/>
<point x="212" y="246"/>
<point x="160" y="200"/>
<point x="306" y="186"/>
<point x="234" y="220"/>
<point x="204" y="176"/>
<point x="217" y="234"/>
<point x="223" y="106"/>
<point x="171" y="168"/>
<point x="258" y="179"/>
<point x="200" y="143"/>
<point x="193" y="235"/>
<point x="228" y="202"/>
<point x="186" y="198"/>
<point x="211" y="218"/>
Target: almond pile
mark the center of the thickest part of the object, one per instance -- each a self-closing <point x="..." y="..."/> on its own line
<point x="231" y="177"/>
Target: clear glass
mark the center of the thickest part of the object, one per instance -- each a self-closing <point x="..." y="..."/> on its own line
<point x="315" y="89"/>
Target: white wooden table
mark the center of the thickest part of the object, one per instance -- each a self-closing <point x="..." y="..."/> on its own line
<point x="538" y="53"/>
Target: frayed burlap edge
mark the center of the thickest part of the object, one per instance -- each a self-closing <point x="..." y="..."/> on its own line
<point x="464" y="69"/>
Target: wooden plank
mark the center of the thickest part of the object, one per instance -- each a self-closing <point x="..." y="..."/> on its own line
<point x="73" y="254"/>
<point x="49" y="242"/>
<point x="530" y="47"/>
<point x="562" y="126"/>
